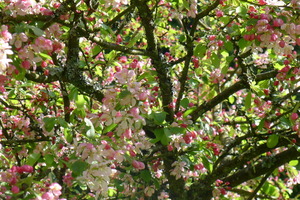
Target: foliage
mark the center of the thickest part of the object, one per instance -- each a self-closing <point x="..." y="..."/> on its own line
<point x="149" y="99"/>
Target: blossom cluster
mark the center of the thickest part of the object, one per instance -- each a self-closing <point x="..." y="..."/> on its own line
<point x="5" y="48"/>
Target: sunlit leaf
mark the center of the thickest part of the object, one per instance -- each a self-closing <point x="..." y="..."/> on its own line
<point x="272" y="141"/>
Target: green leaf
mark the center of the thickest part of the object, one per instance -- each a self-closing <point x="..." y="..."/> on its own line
<point x="270" y="190"/>
<point x="224" y="69"/>
<point x="68" y="135"/>
<point x="231" y="99"/>
<point x="90" y="133"/>
<point x="293" y="163"/>
<point x="189" y="111"/>
<point x="36" y="30"/>
<point x="243" y="43"/>
<point x="200" y="50"/>
<point x="49" y="123"/>
<point x="228" y="46"/>
<point x="184" y="102"/>
<point x="73" y="93"/>
<point x="248" y="100"/>
<point x="149" y="76"/>
<point x="78" y="167"/>
<point x="49" y="159"/>
<point x="272" y="141"/>
<point x="96" y="50"/>
<point x="21" y="74"/>
<point x="79" y="101"/>
<point x="224" y="19"/>
<point x="215" y="60"/>
<point x="176" y="130"/>
<point x="146" y="175"/>
<point x="33" y="158"/>
<point x="261" y="124"/>
<point x="62" y="122"/>
<point x="109" y="128"/>
<point x="159" y="133"/>
<point x="285" y="121"/>
<point x="207" y="164"/>
<point x="159" y="118"/>
<point x="165" y="139"/>
<point x="111" y="192"/>
<point x="46" y="56"/>
<point x="124" y="94"/>
<point x="242" y="11"/>
<point x="133" y="41"/>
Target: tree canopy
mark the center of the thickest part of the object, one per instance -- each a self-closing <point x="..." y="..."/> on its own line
<point x="149" y="99"/>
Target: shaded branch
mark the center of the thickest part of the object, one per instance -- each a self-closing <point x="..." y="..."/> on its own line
<point x="113" y="46"/>
<point x="203" y="14"/>
<point x="262" y="182"/>
<point x="242" y="84"/>
<point x="24" y="141"/>
<point x="261" y="168"/>
<point x="41" y="78"/>
<point x="158" y="62"/>
<point x="226" y="166"/>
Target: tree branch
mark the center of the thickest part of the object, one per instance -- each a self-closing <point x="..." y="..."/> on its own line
<point x="242" y="84"/>
<point x="261" y="168"/>
<point x="162" y="68"/>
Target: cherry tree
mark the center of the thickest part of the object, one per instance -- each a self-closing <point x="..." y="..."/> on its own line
<point x="149" y="99"/>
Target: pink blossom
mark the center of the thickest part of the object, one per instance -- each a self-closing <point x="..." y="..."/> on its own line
<point x="123" y="59"/>
<point x="27" y="168"/>
<point x="262" y="2"/>
<point x="48" y="196"/>
<point x="219" y="13"/>
<point x="5" y="34"/>
<point x="4" y="51"/>
<point x="278" y="22"/>
<point x="44" y="44"/>
<point x="135" y="112"/>
<point x="143" y="96"/>
<point x="128" y="133"/>
<point x="216" y="76"/>
<point x="46" y="11"/>
<point x="67" y="179"/>
<point x="55" y="189"/>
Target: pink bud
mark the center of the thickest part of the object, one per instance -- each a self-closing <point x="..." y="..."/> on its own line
<point x="267" y="92"/>
<point x="170" y="148"/>
<point x="220" y="43"/>
<point x="26" y="64"/>
<point x="196" y="62"/>
<point x="119" y="39"/>
<point x="282" y="44"/>
<point x="294" y="116"/>
<point x="15" y="189"/>
<point x="212" y="37"/>
<point x="44" y="64"/>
